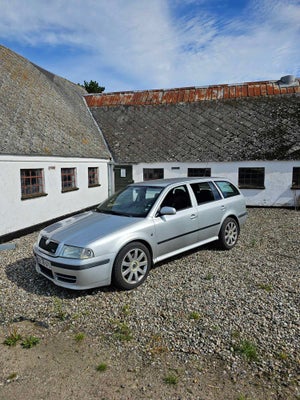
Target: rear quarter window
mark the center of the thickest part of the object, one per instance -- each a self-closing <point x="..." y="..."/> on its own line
<point x="227" y="189"/>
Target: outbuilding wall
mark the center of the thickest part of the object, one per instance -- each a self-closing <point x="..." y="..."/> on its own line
<point x="17" y="214"/>
<point x="278" y="179"/>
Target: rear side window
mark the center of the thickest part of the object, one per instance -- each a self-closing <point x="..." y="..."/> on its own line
<point x="227" y="189"/>
<point x="205" y="192"/>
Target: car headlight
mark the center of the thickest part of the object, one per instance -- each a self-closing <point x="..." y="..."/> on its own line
<point x="79" y="253"/>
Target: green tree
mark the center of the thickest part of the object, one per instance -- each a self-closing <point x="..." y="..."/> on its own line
<point x="93" y="87"/>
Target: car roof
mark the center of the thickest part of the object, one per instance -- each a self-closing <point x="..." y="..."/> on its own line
<point x="172" y="181"/>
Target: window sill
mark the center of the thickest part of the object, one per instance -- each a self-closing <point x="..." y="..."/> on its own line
<point x="69" y="190"/>
<point x="295" y="187"/>
<point x="252" y="187"/>
<point x="96" y="185"/>
<point x="33" y="196"/>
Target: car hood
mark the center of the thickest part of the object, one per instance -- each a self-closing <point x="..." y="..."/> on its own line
<point x="83" y="229"/>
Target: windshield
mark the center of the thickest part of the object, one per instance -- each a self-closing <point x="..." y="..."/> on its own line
<point x="133" y="201"/>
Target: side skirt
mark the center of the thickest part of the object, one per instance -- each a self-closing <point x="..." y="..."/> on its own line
<point x="187" y="248"/>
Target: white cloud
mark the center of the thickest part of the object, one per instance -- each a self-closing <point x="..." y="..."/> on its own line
<point x="262" y="44"/>
<point x="135" y="44"/>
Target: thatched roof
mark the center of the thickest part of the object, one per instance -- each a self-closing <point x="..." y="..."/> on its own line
<point x="249" y="121"/>
<point x="44" y="114"/>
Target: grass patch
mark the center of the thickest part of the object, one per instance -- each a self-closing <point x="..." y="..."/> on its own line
<point x="12" y="339"/>
<point x="29" y="342"/>
<point x="265" y="286"/>
<point x="171" y="379"/>
<point x="79" y="337"/>
<point x="209" y="276"/>
<point x="126" y="309"/>
<point x="247" y="349"/>
<point x="102" y="367"/>
<point x="283" y="356"/>
<point x="122" y="332"/>
<point x="26" y="343"/>
<point x="236" y="334"/>
<point x="59" y="309"/>
<point x="194" y="315"/>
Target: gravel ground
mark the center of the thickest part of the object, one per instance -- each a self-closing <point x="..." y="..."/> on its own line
<point x="221" y="324"/>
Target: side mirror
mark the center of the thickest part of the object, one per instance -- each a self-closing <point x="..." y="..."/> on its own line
<point x="167" y="211"/>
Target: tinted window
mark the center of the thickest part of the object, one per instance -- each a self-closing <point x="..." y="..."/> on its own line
<point x="205" y="192"/>
<point x="227" y="189"/>
<point x="178" y="198"/>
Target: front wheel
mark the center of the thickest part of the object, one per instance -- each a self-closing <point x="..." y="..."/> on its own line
<point x="229" y="233"/>
<point x="131" y="266"/>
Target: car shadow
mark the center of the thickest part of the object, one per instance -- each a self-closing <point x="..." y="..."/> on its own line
<point x="23" y="274"/>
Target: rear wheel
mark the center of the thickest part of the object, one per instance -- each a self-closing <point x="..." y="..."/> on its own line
<point x="131" y="266"/>
<point x="229" y="233"/>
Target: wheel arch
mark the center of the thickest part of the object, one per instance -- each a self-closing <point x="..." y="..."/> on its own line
<point x="134" y="274"/>
<point x="230" y="216"/>
<point x="143" y="241"/>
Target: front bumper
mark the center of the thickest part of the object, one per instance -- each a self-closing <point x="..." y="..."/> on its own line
<point x="75" y="274"/>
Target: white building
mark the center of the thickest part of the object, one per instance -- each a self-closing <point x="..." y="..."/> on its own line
<point x="53" y="159"/>
<point x="249" y="133"/>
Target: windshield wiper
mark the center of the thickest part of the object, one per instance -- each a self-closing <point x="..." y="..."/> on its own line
<point x="111" y="212"/>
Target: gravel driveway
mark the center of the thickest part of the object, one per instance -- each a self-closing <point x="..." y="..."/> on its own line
<point x="209" y="324"/>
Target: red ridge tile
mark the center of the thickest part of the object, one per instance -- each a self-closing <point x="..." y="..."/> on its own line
<point x="189" y="94"/>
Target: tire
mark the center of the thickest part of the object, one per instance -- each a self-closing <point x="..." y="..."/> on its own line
<point x="131" y="266"/>
<point x="229" y="233"/>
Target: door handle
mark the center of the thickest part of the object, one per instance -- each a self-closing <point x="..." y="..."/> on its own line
<point x="223" y="208"/>
<point x="193" y="216"/>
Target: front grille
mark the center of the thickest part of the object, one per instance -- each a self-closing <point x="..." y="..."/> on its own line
<point x="48" y="246"/>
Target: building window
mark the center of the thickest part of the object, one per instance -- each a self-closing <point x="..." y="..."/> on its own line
<point x="296" y="178"/>
<point x="32" y="183"/>
<point x="199" y="172"/>
<point x="153" y="173"/>
<point x="251" y="178"/>
<point x="68" y="179"/>
<point x="93" y="173"/>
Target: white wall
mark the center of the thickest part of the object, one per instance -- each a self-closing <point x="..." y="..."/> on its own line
<point x="16" y="214"/>
<point x="278" y="179"/>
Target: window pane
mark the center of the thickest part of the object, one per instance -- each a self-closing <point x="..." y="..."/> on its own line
<point x="32" y="182"/>
<point x="153" y="173"/>
<point x="199" y="172"/>
<point x="251" y="178"/>
<point x="68" y="178"/>
<point x="296" y="177"/>
<point x="93" y="176"/>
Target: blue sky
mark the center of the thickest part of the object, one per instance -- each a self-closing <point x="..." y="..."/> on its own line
<point x="148" y="44"/>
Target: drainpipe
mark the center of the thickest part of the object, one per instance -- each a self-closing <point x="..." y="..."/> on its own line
<point x="111" y="180"/>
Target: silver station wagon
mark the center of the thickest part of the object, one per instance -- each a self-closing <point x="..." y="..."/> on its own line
<point x="137" y="227"/>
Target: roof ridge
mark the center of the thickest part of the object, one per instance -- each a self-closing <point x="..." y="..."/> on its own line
<point x="193" y="93"/>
